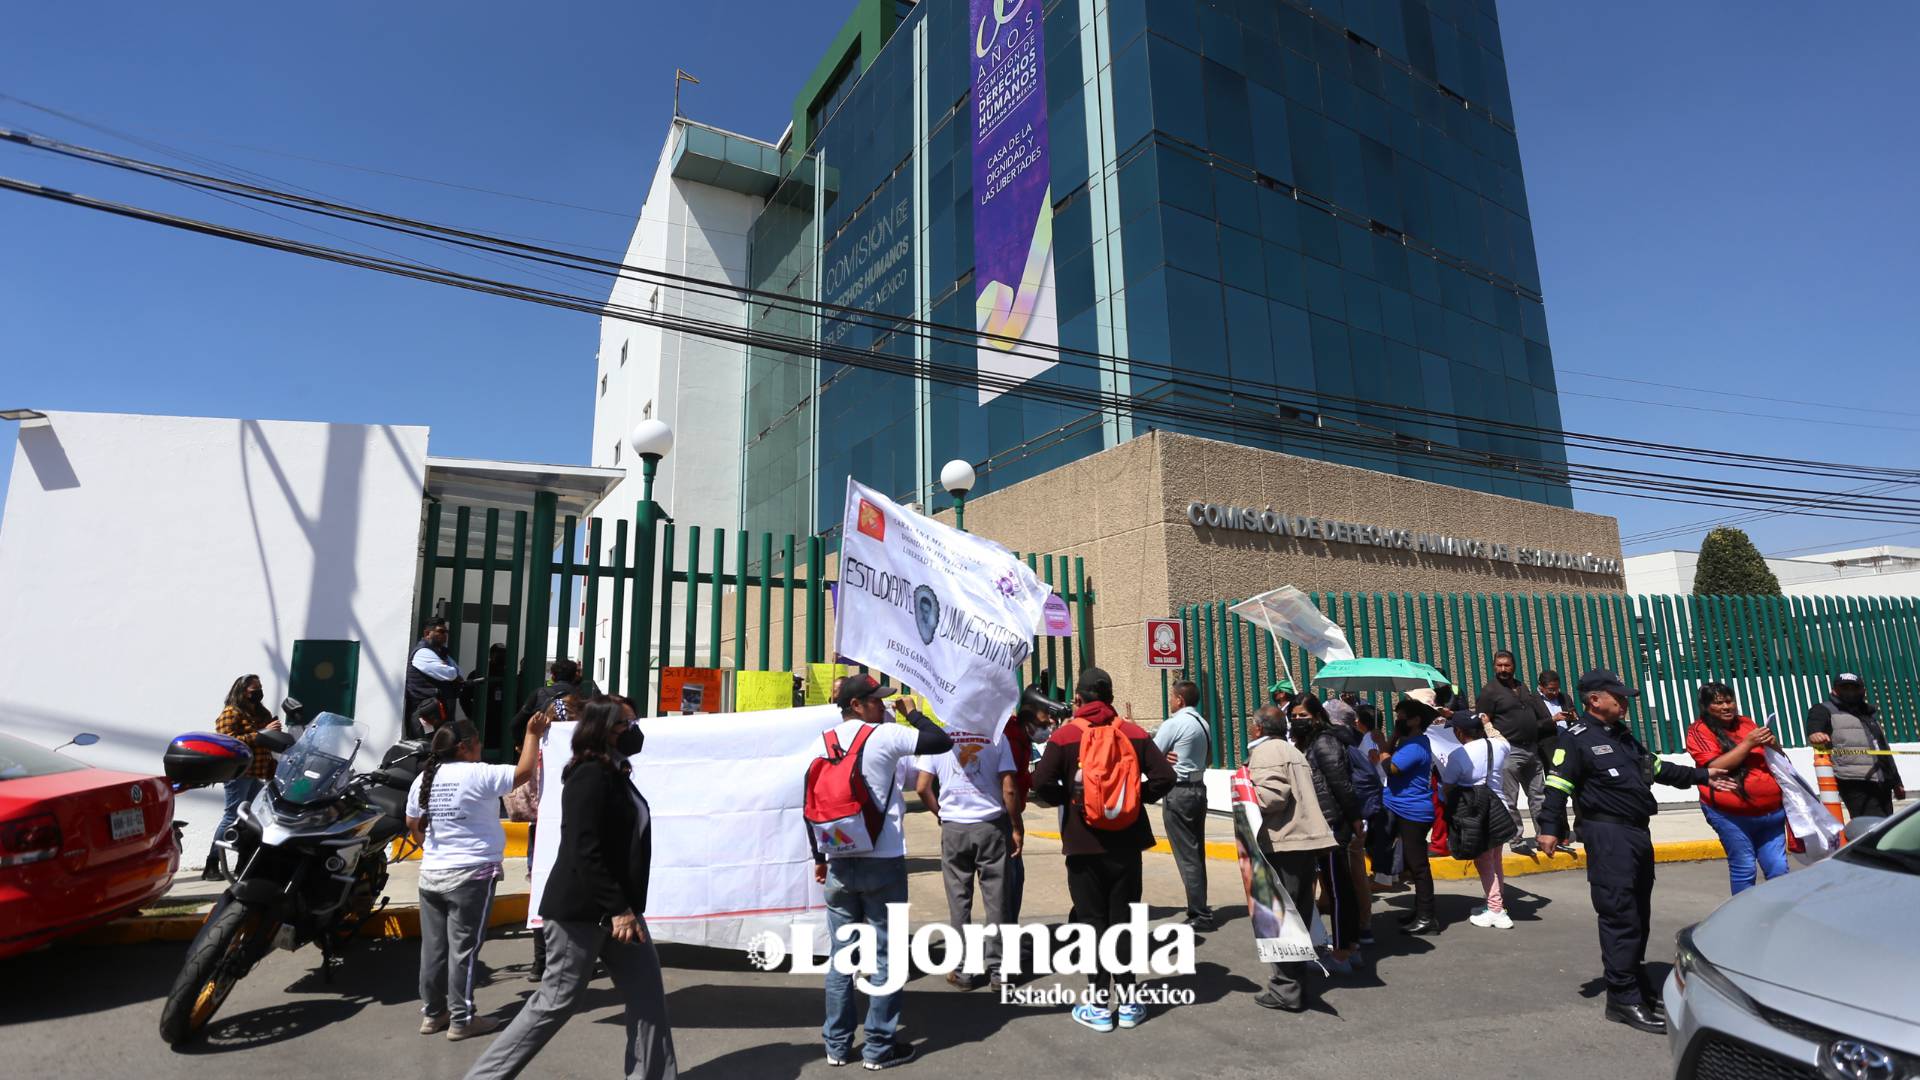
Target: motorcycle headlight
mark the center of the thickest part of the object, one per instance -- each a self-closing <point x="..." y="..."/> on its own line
<point x="292" y="816"/>
<point x="1690" y="963"/>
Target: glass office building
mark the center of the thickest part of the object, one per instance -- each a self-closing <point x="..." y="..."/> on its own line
<point x="1305" y="220"/>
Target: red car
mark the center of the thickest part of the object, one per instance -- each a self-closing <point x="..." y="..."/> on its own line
<point x="79" y="846"/>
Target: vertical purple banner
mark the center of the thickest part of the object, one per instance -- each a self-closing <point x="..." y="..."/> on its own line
<point x="1012" y="198"/>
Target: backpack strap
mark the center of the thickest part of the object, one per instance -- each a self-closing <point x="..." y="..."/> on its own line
<point x="832" y="739"/>
<point x="877" y="818"/>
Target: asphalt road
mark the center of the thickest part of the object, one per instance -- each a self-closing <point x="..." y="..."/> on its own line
<point x="1468" y="1003"/>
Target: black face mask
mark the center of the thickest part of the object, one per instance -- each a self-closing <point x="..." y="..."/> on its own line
<point x="256" y="696"/>
<point x="630" y="741"/>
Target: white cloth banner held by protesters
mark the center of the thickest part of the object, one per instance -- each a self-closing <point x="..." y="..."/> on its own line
<point x="1808" y="818"/>
<point x="948" y="613"/>
<point x="730" y="854"/>
<point x="1280" y="935"/>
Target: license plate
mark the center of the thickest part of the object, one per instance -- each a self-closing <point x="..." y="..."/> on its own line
<point x="127" y="824"/>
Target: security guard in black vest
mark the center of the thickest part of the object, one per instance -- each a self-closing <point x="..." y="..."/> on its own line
<point x="1609" y="776"/>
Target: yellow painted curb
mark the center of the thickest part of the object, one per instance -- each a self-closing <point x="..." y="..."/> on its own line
<point x="394" y="923"/>
<point x="1450" y="869"/>
<point x="403" y="850"/>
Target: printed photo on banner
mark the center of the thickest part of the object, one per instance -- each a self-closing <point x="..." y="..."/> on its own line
<point x="1280" y="935"/>
<point x="948" y="613"/>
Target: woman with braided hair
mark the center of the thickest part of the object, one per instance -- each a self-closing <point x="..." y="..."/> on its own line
<point x="1743" y="807"/>
<point x="453" y="813"/>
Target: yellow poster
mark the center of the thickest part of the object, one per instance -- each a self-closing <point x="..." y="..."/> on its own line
<point x="820" y="681"/>
<point x="756" y="691"/>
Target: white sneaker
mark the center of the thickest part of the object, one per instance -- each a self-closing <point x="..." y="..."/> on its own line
<point x="1482" y="917"/>
<point x="1499" y="920"/>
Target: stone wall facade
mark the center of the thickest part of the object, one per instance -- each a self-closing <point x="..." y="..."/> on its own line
<point x="1126" y="511"/>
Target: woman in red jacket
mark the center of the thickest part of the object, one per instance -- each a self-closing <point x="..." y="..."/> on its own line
<point x="1744" y="807"/>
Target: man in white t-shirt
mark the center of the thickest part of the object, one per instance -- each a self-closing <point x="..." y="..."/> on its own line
<point x="859" y="887"/>
<point x="977" y="834"/>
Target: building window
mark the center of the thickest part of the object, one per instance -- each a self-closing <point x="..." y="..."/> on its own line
<point x="623" y="353"/>
<point x="603" y="386"/>
<point x="835" y="93"/>
<point x="616" y="451"/>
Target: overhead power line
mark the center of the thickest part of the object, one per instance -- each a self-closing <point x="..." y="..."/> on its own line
<point x="1241" y="411"/>
<point x="1310" y="398"/>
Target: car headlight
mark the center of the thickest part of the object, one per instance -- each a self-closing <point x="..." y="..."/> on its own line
<point x="1690" y="963"/>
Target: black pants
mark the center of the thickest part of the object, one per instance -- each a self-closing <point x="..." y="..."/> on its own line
<point x="1413" y="849"/>
<point x="1184" y="813"/>
<point x="1102" y="887"/>
<point x="1295" y="871"/>
<point x="1380" y="840"/>
<point x="1620" y="877"/>
<point x="1867" y="798"/>
<point x="1335" y="872"/>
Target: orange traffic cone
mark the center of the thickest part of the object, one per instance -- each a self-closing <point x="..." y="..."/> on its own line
<point x="1829" y="788"/>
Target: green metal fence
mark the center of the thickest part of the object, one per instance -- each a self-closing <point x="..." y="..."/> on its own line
<point x="1778" y="653"/>
<point x="743" y="574"/>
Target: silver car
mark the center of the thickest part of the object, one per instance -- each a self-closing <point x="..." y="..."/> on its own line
<point x="1816" y="975"/>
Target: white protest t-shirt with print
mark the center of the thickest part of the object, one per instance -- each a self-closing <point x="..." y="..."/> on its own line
<point x="969" y="776"/>
<point x="1467" y="765"/>
<point x="886" y="763"/>
<point x="464" y="828"/>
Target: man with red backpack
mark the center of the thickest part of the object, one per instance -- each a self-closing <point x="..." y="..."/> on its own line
<point x="853" y="811"/>
<point x="1103" y="769"/>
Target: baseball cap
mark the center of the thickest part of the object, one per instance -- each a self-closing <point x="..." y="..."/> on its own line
<point x="1094" y="684"/>
<point x="1849" y="677"/>
<point x="1466" y="718"/>
<point x="1602" y="679"/>
<point x="1283" y="686"/>
<point x="856" y="687"/>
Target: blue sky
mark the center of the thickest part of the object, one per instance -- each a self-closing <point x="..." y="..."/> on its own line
<point x="1719" y="195"/>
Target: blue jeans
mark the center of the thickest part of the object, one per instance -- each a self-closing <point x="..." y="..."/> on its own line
<point x="239" y="793"/>
<point x="1749" y="838"/>
<point x="858" y="891"/>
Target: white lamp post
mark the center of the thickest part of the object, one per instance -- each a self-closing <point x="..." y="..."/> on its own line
<point x="957" y="477"/>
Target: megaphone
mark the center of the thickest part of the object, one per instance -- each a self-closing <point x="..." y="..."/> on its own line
<point x="1035" y="700"/>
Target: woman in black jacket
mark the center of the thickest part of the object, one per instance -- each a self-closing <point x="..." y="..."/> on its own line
<point x="594" y="904"/>
<point x="1311" y="730"/>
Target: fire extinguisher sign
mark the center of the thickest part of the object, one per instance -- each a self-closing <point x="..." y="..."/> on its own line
<point x="1166" y="643"/>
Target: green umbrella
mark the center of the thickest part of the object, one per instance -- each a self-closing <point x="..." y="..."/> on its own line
<point x="1369" y="674"/>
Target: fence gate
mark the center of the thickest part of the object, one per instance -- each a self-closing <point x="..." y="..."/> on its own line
<point x="1779" y="654"/>
<point x="718" y="593"/>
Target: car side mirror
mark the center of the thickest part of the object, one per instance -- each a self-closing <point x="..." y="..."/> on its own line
<point x="1860" y="827"/>
<point x="85" y="738"/>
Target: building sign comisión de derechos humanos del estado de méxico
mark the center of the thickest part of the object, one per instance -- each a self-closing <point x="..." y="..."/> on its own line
<point x="1277" y="523"/>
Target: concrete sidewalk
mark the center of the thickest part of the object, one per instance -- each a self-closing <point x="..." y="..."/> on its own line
<point x="1681" y="834"/>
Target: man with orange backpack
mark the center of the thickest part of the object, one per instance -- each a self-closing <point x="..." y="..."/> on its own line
<point x="1103" y="769"/>
<point x="853" y="812"/>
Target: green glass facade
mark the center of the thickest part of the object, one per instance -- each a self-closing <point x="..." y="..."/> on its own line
<point x="1254" y="200"/>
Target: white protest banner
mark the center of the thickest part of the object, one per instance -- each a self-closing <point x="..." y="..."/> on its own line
<point x="1280" y="934"/>
<point x="1808" y="818"/>
<point x="1290" y="614"/>
<point x="730" y="854"/>
<point x="948" y="613"/>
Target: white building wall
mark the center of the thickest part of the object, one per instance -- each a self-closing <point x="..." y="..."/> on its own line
<point x="148" y="561"/>
<point x="1671" y="572"/>
<point x="694" y="384"/>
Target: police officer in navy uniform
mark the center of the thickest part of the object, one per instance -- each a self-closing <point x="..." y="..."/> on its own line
<point x="1609" y="777"/>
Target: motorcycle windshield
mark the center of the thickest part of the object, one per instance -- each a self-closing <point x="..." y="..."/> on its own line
<point x="320" y="765"/>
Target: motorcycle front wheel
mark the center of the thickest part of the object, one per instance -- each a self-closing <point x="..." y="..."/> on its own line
<point x="220" y="956"/>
